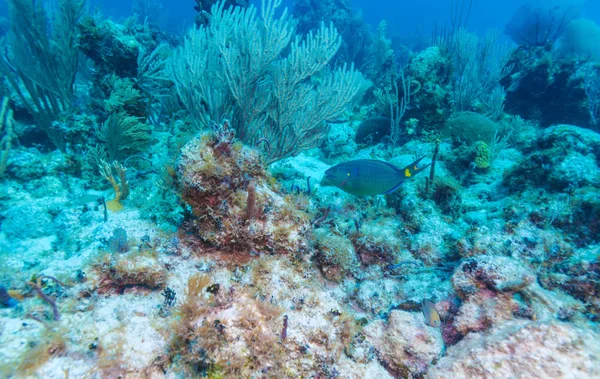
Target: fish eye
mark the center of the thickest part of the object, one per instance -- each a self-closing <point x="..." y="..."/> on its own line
<point x="348" y="174"/>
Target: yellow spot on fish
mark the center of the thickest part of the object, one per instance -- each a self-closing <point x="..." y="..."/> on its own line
<point x="407" y="173"/>
<point x="348" y="174"/>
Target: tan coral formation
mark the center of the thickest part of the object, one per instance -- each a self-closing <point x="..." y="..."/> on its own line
<point x="522" y="349"/>
<point x="495" y="272"/>
<point x="404" y="344"/>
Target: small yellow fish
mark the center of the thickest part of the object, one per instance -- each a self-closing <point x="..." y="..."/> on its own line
<point x="432" y="317"/>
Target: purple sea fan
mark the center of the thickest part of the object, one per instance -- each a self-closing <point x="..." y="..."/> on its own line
<point x="541" y="22"/>
<point x="117" y="243"/>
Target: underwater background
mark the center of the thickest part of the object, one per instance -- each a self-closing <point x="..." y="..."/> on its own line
<point x="299" y="189"/>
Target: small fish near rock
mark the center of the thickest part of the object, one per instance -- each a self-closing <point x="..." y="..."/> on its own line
<point x="432" y="317"/>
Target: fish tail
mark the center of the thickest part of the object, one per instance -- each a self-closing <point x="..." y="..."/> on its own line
<point x="407" y="173"/>
<point x="414" y="168"/>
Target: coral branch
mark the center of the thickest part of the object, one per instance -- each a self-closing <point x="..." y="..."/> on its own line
<point x="38" y="288"/>
<point x="429" y="181"/>
<point x="323" y="216"/>
<point x="284" y="330"/>
<point x="122" y="190"/>
<point x="46" y="298"/>
<point x="251" y="202"/>
<point x="6" y="122"/>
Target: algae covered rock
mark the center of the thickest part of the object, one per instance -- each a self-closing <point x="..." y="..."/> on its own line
<point x="573" y="154"/>
<point x="546" y="88"/>
<point x="482" y="311"/>
<point x="113" y="47"/>
<point x="234" y="202"/>
<point x="404" y="344"/>
<point x="378" y="296"/>
<point x="29" y="220"/>
<point x="28" y="164"/>
<point x="335" y="254"/>
<point x="493" y="272"/>
<point x="524" y="350"/>
<point x="564" y="161"/>
<point x="564" y="156"/>
<point x="130" y="270"/>
<point x="430" y="71"/>
<point x="340" y="142"/>
<point x="487" y="286"/>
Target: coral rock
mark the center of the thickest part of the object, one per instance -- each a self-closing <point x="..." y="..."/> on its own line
<point x="494" y="272"/>
<point x="483" y="310"/>
<point x="132" y="270"/>
<point x="404" y="344"/>
<point x="524" y="350"/>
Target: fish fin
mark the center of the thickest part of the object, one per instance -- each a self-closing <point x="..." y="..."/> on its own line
<point x="394" y="187"/>
<point x="395" y="168"/>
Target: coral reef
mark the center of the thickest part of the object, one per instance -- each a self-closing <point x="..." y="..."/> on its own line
<point x="164" y="209"/>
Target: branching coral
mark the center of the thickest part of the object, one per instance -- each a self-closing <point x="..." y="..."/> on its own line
<point x="121" y="187"/>
<point x="152" y="77"/>
<point x="37" y="287"/>
<point x="122" y="94"/>
<point x="44" y="57"/>
<point x="124" y="135"/>
<point x="217" y="72"/>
